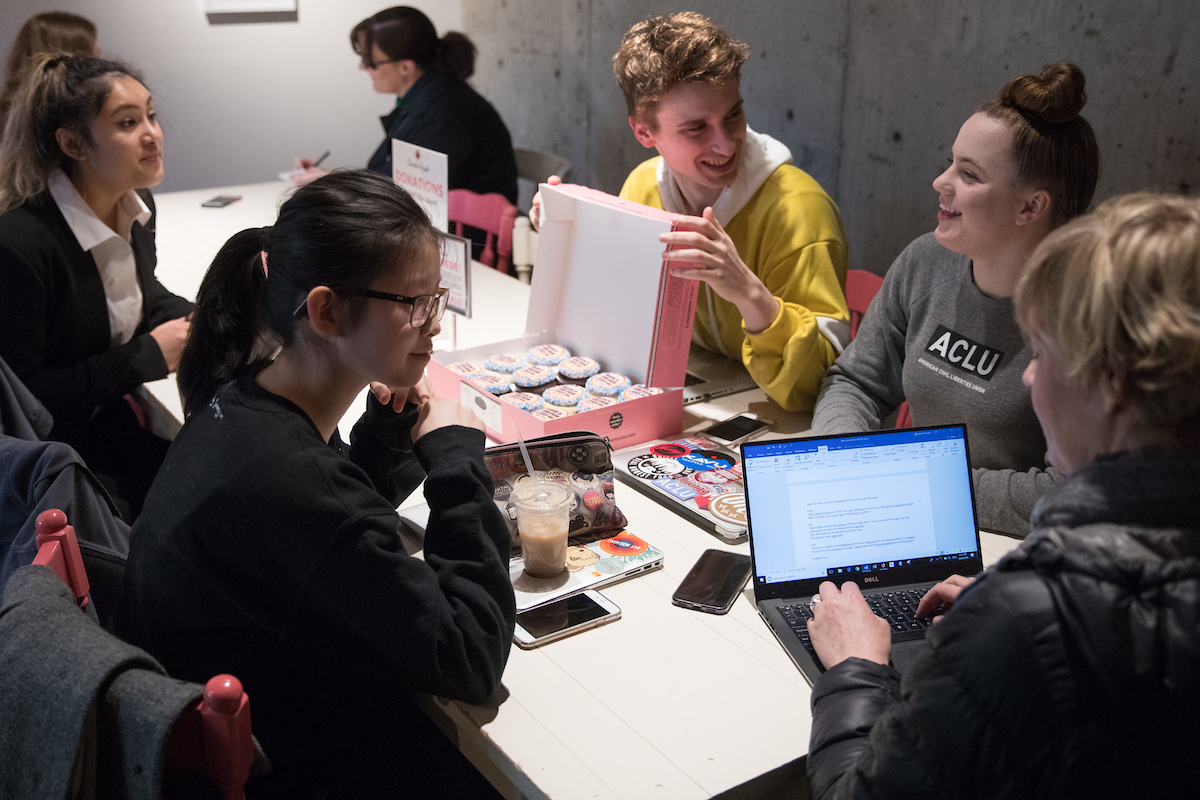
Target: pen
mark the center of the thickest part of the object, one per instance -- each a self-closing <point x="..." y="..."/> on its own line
<point x="324" y="156"/>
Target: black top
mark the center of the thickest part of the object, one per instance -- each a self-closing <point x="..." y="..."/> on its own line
<point x="444" y="114"/>
<point x="1071" y="669"/>
<point x="267" y="553"/>
<point x="54" y="330"/>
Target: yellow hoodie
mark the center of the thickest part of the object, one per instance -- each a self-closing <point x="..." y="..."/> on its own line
<point x="789" y="234"/>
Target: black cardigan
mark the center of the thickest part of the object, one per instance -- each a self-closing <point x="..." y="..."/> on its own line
<point x="54" y="329"/>
<point x="445" y="114"/>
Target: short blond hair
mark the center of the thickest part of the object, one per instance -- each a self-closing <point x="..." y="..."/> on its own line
<point x="659" y="53"/>
<point x="1116" y="294"/>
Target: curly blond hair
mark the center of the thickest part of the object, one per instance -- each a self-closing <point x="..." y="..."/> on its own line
<point x="1116" y="294"/>
<point x="658" y="54"/>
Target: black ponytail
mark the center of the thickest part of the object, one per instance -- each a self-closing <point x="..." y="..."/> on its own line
<point x="342" y="230"/>
<point x="405" y="32"/>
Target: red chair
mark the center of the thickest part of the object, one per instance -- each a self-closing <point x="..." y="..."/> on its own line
<point x="214" y="734"/>
<point x="491" y="213"/>
<point x="861" y="288"/>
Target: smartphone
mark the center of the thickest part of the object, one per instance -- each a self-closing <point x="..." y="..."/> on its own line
<point x="221" y="200"/>
<point x="579" y="612"/>
<point x="737" y="429"/>
<point x="714" y="582"/>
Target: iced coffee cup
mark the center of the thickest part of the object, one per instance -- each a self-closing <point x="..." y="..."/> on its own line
<point x="543" y="510"/>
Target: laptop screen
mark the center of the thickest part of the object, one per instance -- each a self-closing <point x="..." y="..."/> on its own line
<point x="884" y="506"/>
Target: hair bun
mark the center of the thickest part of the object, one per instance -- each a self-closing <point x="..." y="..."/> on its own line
<point x="1057" y="95"/>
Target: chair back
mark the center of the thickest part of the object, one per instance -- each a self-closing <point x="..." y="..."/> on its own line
<point x="861" y="288"/>
<point x="213" y="735"/>
<point x="491" y="213"/>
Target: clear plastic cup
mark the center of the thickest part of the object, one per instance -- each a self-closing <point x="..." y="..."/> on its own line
<point x="543" y="519"/>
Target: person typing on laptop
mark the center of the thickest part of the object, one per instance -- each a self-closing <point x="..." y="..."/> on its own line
<point x="1071" y="667"/>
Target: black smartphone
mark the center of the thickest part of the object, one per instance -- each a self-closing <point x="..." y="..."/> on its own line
<point x="221" y="200"/>
<point x="714" y="582"/>
<point x="737" y="429"/>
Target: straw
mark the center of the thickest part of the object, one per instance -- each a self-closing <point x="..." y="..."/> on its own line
<point x="525" y="451"/>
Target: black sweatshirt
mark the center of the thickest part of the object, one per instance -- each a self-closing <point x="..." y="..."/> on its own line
<point x="264" y="552"/>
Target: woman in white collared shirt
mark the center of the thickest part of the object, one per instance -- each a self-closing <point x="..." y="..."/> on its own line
<point x="83" y="320"/>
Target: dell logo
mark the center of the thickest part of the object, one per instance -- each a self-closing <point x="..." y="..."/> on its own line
<point x="870" y="579"/>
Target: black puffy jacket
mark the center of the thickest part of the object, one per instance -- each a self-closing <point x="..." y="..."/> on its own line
<point x="1069" y="669"/>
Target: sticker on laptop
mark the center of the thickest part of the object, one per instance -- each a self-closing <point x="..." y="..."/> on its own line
<point x="653" y="467"/>
<point x="729" y="508"/>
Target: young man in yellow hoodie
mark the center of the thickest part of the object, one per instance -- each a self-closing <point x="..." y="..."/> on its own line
<point x="767" y="238"/>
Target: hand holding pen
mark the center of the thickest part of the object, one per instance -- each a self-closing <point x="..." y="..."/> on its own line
<point x="307" y="170"/>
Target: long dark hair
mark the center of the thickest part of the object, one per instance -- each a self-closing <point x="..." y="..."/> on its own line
<point x="342" y="230"/>
<point x="404" y="32"/>
<point x="58" y="92"/>
<point x="1053" y="145"/>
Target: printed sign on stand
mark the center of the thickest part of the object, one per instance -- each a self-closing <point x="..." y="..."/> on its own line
<point x="456" y="273"/>
<point x="423" y="173"/>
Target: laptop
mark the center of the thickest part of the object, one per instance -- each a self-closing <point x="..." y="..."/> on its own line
<point x="893" y="511"/>
<point x="712" y="375"/>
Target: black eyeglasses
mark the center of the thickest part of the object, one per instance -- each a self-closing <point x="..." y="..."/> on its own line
<point x="424" y="306"/>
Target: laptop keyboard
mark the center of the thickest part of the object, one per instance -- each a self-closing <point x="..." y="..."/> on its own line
<point x="898" y="608"/>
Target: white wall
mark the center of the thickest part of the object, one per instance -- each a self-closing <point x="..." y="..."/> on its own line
<point x="238" y="102"/>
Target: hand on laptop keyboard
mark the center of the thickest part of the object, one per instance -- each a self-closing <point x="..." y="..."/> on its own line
<point x="844" y="626"/>
<point x="941" y="597"/>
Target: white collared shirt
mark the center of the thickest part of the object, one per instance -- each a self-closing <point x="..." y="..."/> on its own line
<point x="110" y="249"/>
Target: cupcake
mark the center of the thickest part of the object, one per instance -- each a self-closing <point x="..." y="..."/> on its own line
<point x="503" y="363"/>
<point x="548" y="413"/>
<point x="639" y="390"/>
<point x="547" y="355"/>
<point x="526" y="401"/>
<point x="592" y="403"/>
<point x="532" y="378"/>
<point x="577" y="369"/>
<point x="465" y="368"/>
<point x="492" y="384"/>
<point x="607" y="384"/>
<point x="564" y="395"/>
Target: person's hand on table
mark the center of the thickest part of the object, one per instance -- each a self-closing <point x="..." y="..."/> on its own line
<point x="714" y="259"/>
<point x="844" y="626"/>
<point x="938" y="600"/>
<point x="535" y="209"/>
<point x="170" y="338"/>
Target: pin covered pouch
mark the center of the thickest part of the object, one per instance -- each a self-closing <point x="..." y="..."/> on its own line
<point x="581" y="461"/>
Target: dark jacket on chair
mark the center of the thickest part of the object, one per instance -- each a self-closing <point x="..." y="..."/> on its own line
<point x="1070" y="669"/>
<point x="445" y="114"/>
<point x="54" y="330"/>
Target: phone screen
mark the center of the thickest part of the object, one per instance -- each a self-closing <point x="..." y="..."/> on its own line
<point x="558" y="616"/>
<point x="735" y="428"/>
<point x="715" y="580"/>
<point x="220" y="201"/>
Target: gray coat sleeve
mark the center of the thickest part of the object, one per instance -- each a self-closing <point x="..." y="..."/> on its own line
<point x="865" y="384"/>
<point x="1004" y="498"/>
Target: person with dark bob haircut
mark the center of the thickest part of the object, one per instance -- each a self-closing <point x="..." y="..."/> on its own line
<point x="435" y="107"/>
<point x="1071" y="668"/>
<point x="268" y="549"/>
<point x="941" y="332"/>
<point x="52" y="32"/>
<point x="83" y="319"/>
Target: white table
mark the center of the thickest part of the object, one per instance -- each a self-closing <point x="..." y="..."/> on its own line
<point x="665" y="703"/>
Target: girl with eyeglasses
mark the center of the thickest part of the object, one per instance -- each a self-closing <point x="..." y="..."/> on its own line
<point x="268" y="548"/>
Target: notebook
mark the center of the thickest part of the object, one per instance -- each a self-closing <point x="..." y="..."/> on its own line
<point x="893" y="511"/>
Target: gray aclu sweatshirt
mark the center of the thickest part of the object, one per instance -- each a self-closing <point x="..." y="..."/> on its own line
<point x="931" y="337"/>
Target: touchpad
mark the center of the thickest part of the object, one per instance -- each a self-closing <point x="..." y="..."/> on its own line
<point x="905" y="654"/>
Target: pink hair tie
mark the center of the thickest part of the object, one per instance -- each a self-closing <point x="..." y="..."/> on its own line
<point x="263" y="253"/>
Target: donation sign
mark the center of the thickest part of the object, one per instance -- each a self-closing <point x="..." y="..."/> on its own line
<point x="423" y="173"/>
<point x="456" y="273"/>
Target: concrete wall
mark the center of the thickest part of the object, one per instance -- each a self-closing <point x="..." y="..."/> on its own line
<point x="868" y="94"/>
<point x="238" y="101"/>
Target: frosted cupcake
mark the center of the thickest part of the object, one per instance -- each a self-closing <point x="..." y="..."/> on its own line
<point x="532" y="378"/>
<point x="492" y="384"/>
<point x="503" y="364"/>
<point x="465" y="368"/>
<point x="638" y="391"/>
<point x="565" y="395"/>
<point x="577" y="369"/>
<point x="593" y="403"/>
<point x="547" y="355"/>
<point x="526" y="401"/>
<point x="607" y="384"/>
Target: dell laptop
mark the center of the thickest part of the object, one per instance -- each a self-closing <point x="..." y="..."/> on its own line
<point x="891" y="510"/>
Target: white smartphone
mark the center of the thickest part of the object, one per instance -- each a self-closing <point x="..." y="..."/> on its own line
<point x="565" y="617"/>
<point x="737" y="429"/>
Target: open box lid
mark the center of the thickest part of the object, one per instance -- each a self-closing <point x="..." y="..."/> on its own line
<point x="601" y="287"/>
